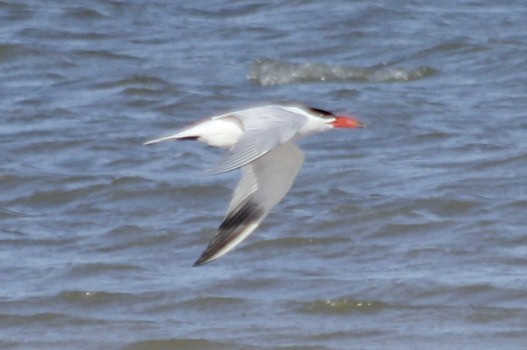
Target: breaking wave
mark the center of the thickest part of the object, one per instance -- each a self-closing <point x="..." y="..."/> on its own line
<point x="267" y="72"/>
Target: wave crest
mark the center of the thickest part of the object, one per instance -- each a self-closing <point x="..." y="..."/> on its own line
<point x="266" y="72"/>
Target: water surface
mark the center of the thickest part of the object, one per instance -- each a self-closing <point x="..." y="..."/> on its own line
<point x="408" y="234"/>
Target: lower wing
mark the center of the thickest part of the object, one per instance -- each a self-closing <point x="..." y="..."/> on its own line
<point x="264" y="183"/>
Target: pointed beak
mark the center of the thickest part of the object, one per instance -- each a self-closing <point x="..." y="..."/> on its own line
<point x="347" y="122"/>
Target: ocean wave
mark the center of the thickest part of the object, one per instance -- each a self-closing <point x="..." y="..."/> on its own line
<point x="267" y="72"/>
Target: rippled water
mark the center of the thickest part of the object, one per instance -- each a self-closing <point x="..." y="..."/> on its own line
<point x="408" y="234"/>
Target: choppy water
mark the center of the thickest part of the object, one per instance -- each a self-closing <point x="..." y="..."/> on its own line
<point x="410" y="234"/>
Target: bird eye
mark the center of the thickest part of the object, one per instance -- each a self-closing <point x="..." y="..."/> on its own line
<point x="322" y="113"/>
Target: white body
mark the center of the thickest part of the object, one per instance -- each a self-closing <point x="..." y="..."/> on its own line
<point x="260" y="142"/>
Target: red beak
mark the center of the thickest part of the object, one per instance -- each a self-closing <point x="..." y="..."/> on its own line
<point x="347" y="122"/>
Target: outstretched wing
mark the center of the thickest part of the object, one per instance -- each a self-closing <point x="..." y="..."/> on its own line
<point x="264" y="129"/>
<point x="264" y="183"/>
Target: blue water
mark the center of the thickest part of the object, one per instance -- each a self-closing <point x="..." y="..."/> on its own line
<point x="410" y="233"/>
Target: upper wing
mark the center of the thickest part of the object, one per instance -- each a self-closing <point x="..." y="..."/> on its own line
<point x="264" y="129"/>
<point x="264" y="183"/>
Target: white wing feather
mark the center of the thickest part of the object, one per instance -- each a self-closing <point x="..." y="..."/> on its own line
<point x="263" y="185"/>
<point x="265" y="128"/>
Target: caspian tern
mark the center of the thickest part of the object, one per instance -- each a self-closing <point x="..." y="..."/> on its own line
<point x="260" y="142"/>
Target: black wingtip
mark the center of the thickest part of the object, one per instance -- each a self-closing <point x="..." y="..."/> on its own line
<point x="206" y="257"/>
<point x="234" y="224"/>
<point x="201" y="261"/>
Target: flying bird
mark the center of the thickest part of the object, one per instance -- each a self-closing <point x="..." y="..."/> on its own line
<point x="260" y="142"/>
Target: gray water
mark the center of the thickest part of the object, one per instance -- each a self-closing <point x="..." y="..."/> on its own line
<point x="410" y="234"/>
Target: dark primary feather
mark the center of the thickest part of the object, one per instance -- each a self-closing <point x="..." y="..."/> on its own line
<point x="232" y="226"/>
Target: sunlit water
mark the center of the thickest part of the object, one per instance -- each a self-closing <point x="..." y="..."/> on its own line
<point x="410" y="234"/>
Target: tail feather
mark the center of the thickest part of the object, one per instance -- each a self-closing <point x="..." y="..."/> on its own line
<point x="172" y="138"/>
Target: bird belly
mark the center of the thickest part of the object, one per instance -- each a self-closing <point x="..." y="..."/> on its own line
<point x="223" y="133"/>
